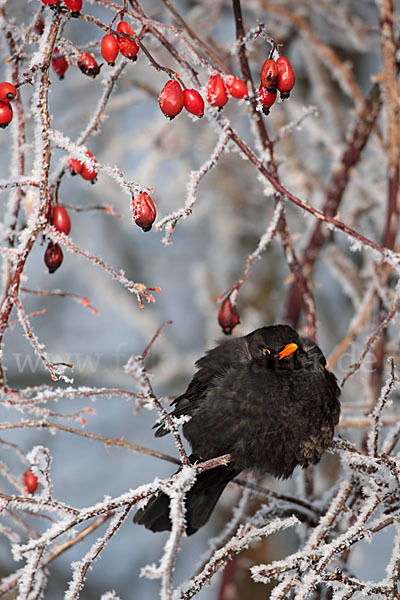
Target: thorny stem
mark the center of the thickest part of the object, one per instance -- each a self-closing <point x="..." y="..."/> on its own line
<point x="13" y="283"/>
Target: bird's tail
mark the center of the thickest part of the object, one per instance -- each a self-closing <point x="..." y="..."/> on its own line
<point x="200" y="501"/>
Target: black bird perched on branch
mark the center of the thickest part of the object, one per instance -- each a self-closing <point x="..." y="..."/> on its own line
<point x="267" y="399"/>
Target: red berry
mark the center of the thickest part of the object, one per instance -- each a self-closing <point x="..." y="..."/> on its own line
<point x="6" y="114"/>
<point x="86" y="172"/>
<point x="39" y="26"/>
<point x="8" y="92"/>
<point x="75" y="6"/>
<point x="75" y="166"/>
<point x="236" y="87"/>
<point x="60" y="219"/>
<point x="109" y="49"/>
<point x="228" y="316"/>
<point x="171" y="99"/>
<point x="30" y="482"/>
<point x="266" y="98"/>
<point x="286" y="77"/>
<point x="51" y="3"/>
<point x="193" y="102"/>
<point x="269" y="75"/>
<point x="127" y="47"/>
<point x="88" y="64"/>
<point x="216" y="91"/>
<point x="59" y="63"/>
<point x="53" y="257"/>
<point x="144" y="211"/>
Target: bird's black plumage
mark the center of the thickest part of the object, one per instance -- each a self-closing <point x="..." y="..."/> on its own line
<point x="267" y="399"/>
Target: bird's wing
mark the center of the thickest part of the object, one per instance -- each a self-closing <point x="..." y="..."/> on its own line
<point x="210" y="368"/>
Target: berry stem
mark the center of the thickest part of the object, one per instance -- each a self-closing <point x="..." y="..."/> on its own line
<point x="203" y="45"/>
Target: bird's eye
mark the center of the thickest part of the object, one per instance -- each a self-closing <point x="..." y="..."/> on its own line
<point x="266" y="351"/>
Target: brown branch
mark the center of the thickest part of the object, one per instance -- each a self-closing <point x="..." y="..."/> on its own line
<point x="291" y="258"/>
<point x="92" y="555"/>
<point x="93" y="436"/>
<point x="80" y="299"/>
<point x="246" y="72"/>
<point x="139" y="289"/>
<point x="163" y="40"/>
<point x="61" y="548"/>
<point x="302" y="204"/>
<point x="29" y="501"/>
<point x="171" y="220"/>
<point x="153" y="339"/>
<point x="55" y="368"/>
<point x="201" y="43"/>
<point x="388" y="77"/>
<point x="303" y="285"/>
<point x="335" y="191"/>
<point x="276" y="495"/>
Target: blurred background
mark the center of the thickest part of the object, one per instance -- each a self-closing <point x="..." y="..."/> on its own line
<point x="207" y="254"/>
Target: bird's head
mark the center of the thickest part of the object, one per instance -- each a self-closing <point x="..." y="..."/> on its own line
<point x="276" y="346"/>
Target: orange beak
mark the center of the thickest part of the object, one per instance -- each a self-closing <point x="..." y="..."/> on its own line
<point x="288" y="350"/>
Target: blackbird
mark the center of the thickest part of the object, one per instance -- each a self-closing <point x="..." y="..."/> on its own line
<point x="267" y="399"/>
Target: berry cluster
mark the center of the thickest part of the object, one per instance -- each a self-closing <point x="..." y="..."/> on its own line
<point x="60" y="220"/>
<point x="112" y="44"/>
<point x="275" y="76"/>
<point x="8" y="93"/>
<point x="74" y="6"/>
<point x="76" y="167"/>
<point x="173" y="98"/>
